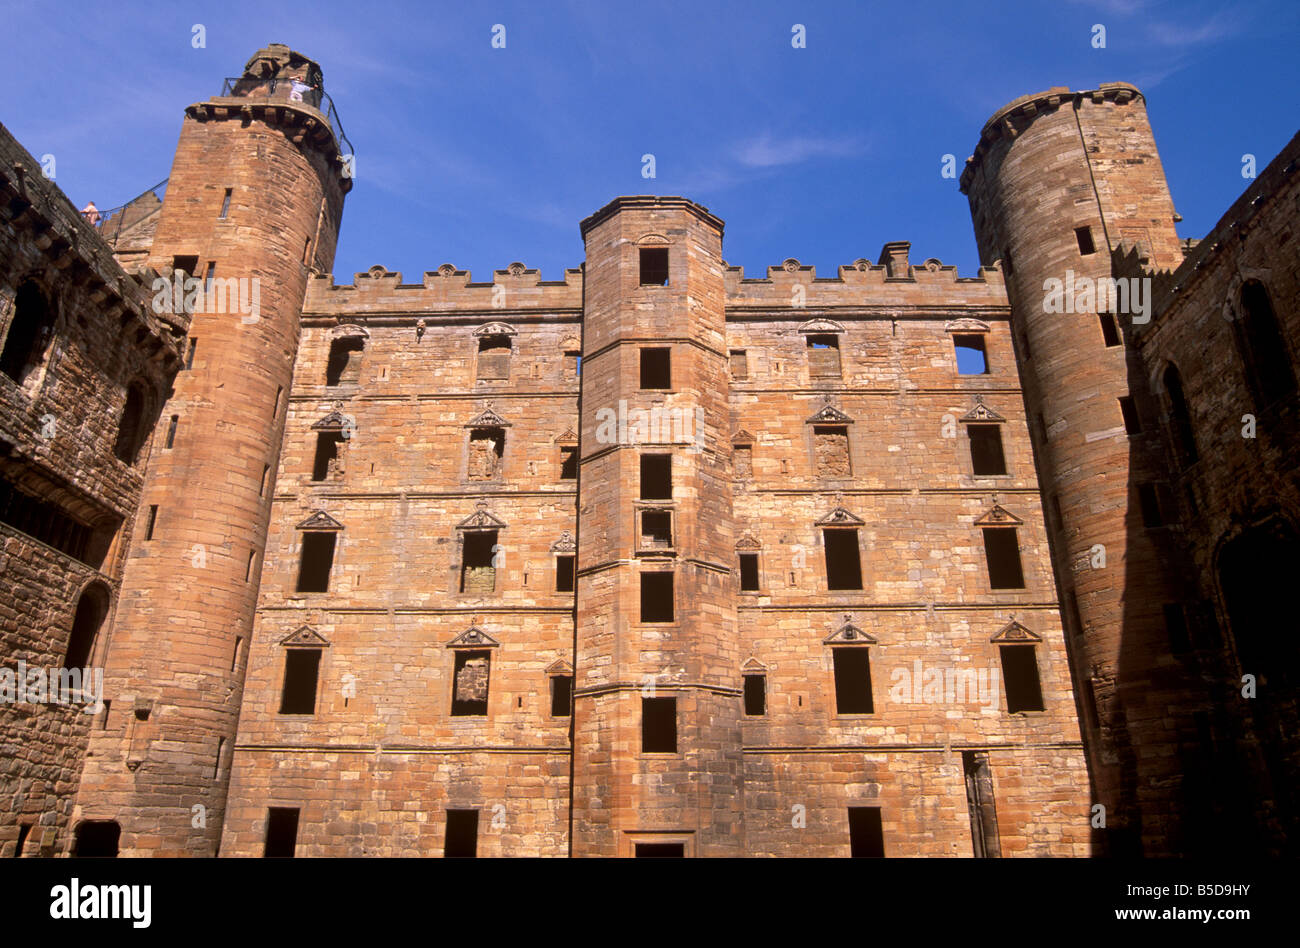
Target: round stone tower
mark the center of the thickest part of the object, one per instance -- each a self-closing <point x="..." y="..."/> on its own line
<point x="253" y="204"/>
<point x="1058" y="180"/>
<point x="657" y="708"/>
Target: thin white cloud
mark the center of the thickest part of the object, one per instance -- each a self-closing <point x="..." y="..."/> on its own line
<point x="769" y="151"/>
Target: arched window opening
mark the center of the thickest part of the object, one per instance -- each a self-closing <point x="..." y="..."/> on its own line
<point x="30" y="333"/>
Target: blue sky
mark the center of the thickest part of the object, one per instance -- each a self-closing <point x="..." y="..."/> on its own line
<point x="480" y="156"/>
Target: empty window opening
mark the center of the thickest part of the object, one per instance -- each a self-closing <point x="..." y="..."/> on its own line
<point x="1267" y="357"/>
<point x="494" y="357"/>
<point x="561" y="695"/>
<point x="568" y="464"/>
<point x="1084" y="236"/>
<point x="151" y="522"/>
<point x="31" y="330"/>
<point x="660" y="851"/>
<point x="656" y="368"/>
<point x="132" y="428"/>
<point x="471" y="673"/>
<point x="656" y="597"/>
<point x="1149" y="502"/>
<point x="972" y="359"/>
<point x="216" y="766"/>
<point x="207" y="281"/>
<point x="248" y="574"/>
<point x="317" y="560"/>
<point x="564" y="570"/>
<point x="189" y="354"/>
<point x="749" y="572"/>
<point x="306" y="251"/>
<point x="1181" y="420"/>
<point x="986" y="455"/>
<point x="1002" y="551"/>
<point x="843" y="560"/>
<point x="572" y="363"/>
<point x="979" y="804"/>
<point x="478" y="570"/>
<point x="225" y="205"/>
<point x="344" y="363"/>
<point x="656" y="476"/>
<point x="261" y="487"/>
<point x="743" y="460"/>
<point x="462" y="835"/>
<point x="281" y="832"/>
<point x="487" y="448"/>
<point x="23" y="830"/>
<point x="654" y="266"/>
<point x="823" y="356"/>
<point x="831" y="445"/>
<point x="53" y="526"/>
<point x="103" y="718"/>
<point x="739" y="363"/>
<point x="755" y="695"/>
<point x="659" y="725"/>
<point x="1109" y="330"/>
<point x="1128" y="411"/>
<point x="852" y="681"/>
<point x="92" y="607"/>
<point x="301" y="670"/>
<point x="171" y="431"/>
<point x="327" y="454"/>
<point x="656" y="530"/>
<point x="1176" y="627"/>
<point x="186" y="265"/>
<point x="866" y="832"/>
<point x="1020" y="678"/>
<point x="97" y="839"/>
<point x="234" y="654"/>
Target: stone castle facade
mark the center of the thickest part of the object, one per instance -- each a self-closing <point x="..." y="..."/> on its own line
<point x="657" y="559"/>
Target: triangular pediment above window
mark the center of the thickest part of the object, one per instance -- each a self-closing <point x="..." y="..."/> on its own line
<point x="849" y="634"/>
<point x="981" y="412"/>
<point x="335" y="421"/>
<point x="829" y="415"/>
<point x="820" y="327"/>
<point x="487" y="418"/>
<point x="742" y="437"/>
<point x="839" y="517"/>
<point x="559" y="667"/>
<point x="966" y="324"/>
<point x="304" y="637"/>
<point x="997" y="516"/>
<point x="747" y="542"/>
<point x="496" y="329"/>
<point x="753" y="666"/>
<point x="320" y="520"/>
<point x="473" y="637"/>
<point x="1013" y="631"/>
<point x="481" y="519"/>
<point x="569" y="437"/>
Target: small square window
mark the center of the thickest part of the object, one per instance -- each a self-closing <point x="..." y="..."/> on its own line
<point x="654" y="266"/>
<point x="739" y="364"/>
<point x="317" y="560"/>
<point x="972" y="359"/>
<point x="755" y="695"/>
<point x="568" y="464"/>
<point x="1128" y="411"/>
<point x="1002" y="551"/>
<point x="1084" y="237"/>
<point x="659" y="725"/>
<point x="852" y="681"/>
<point x="281" y="832"/>
<point x="564" y="564"/>
<point x="561" y="696"/>
<point x="656" y="477"/>
<point x="749" y="572"/>
<point x="986" y="454"/>
<point x="656" y="530"/>
<point x="301" y="672"/>
<point x="1109" y="330"/>
<point x="656" y="369"/>
<point x="462" y="834"/>
<point x="1020" y="678"/>
<point x="656" y="597"/>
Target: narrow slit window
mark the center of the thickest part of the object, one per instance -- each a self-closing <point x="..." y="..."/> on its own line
<point x="1084" y="237"/>
<point x="659" y="725"/>
<point x="207" y="281"/>
<point x="275" y="407"/>
<point x="171" y="430"/>
<point x="1109" y="330"/>
<point x="225" y="205"/>
<point x="852" y="681"/>
<point x="151" y="522"/>
<point x="656" y="597"/>
<point x="823" y="356"/>
<point x="471" y="676"/>
<point x="306" y="251"/>
<point x="843" y="560"/>
<point x="656" y="476"/>
<point x="261" y="487"/>
<point x="478" y="572"/>
<point x="234" y="655"/>
<point x="654" y="266"/>
<point x="281" y="832"/>
<point x="739" y="359"/>
<point x="564" y="573"/>
<point x="189" y="354"/>
<point x="344" y="363"/>
<point x="1020" y="678"/>
<point x="462" y="835"/>
<point x="749" y="572"/>
<point x="1002" y="551"/>
<point x="972" y="358"/>
<point x="568" y="464"/>
<point x="755" y="695"/>
<point x="656" y="530"/>
<point x="327" y="454"/>
<point x="561" y="696"/>
<point x="317" y="560"/>
<point x="656" y="368"/>
<point x="980" y="804"/>
<point x="1128" y="411"/>
<point x="1149" y="502"/>
<point x="216" y="765"/>
<point x="301" y="671"/>
<point x="23" y="830"/>
<point x="866" y="832"/>
<point x="248" y="573"/>
<point x="986" y="454"/>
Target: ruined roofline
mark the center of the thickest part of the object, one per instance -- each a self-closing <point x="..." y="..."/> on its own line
<point x="653" y="202"/>
<point x="1027" y="107"/>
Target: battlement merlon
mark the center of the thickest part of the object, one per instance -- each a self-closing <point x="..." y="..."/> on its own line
<point x="74" y="246"/>
<point x="1010" y="119"/>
